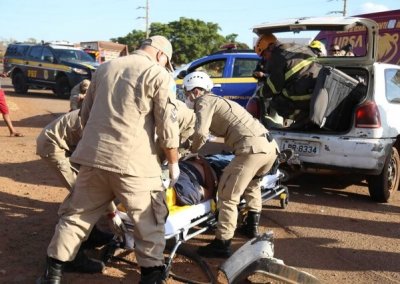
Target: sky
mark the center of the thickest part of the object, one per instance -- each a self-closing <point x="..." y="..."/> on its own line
<point x="88" y="20"/>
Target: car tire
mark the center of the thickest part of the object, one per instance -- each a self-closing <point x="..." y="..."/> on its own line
<point x="20" y="83"/>
<point x="62" y="89"/>
<point x="382" y="187"/>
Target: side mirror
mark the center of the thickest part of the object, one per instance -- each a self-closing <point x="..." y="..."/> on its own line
<point x="49" y="58"/>
<point x="182" y="74"/>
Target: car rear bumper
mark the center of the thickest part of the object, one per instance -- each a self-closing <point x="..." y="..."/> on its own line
<point x="341" y="153"/>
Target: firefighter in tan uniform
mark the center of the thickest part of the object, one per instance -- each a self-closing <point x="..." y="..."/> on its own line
<point x="78" y="93"/>
<point x="128" y="101"/>
<point x="55" y="145"/>
<point x="186" y="121"/>
<point x="255" y="153"/>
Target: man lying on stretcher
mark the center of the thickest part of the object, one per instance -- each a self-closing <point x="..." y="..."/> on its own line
<point x="199" y="177"/>
<point x="198" y="180"/>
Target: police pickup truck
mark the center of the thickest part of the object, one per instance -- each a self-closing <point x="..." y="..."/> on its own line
<point x="358" y="128"/>
<point x="231" y="72"/>
<point x="49" y="66"/>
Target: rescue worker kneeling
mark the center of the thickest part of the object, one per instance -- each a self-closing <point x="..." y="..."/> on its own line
<point x="255" y="153"/>
<point x="55" y="145"/>
<point x="292" y="72"/>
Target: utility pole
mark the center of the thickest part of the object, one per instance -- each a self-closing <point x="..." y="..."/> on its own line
<point x="344" y="7"/>
<point x="146" y="17"/>
<point x="343" y="12"/>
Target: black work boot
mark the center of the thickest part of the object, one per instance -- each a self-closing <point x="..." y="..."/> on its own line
<point x="152" y="275"/>
<point x="97" y="238"/>
<point x="249" y="228"/>
<point x="84" y="264"/>
<point x="217" y="248"/>
<point x="53" y="273"/>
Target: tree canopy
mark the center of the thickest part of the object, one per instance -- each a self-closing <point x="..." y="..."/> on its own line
<point x="190" y="38"/>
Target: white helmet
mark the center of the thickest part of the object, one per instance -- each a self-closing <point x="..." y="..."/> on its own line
<point x="197" y="79"/>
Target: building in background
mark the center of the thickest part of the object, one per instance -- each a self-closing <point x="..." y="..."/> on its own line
<point x="103" y="51"/>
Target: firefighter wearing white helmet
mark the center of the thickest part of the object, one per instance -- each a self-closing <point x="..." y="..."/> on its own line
<point x="255" y="152"/>
<point x="199" y="80"/>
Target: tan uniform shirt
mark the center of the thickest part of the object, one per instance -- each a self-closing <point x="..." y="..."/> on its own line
<point x="186" y="119"/>
<point x="129" y="99"/>
<point x="225" y="118"/>
<point x="61" y="135"/>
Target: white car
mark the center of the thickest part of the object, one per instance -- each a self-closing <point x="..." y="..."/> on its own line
<point x="361" y="138"/>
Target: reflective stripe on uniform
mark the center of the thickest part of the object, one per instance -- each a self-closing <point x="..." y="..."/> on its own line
<point x="298" y="67"/>
<point x="294" y="97"/>
<point x="290" y="73"/>
<point x="271" y="86"/>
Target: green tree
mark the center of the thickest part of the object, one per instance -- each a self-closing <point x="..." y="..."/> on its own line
<point x="31" y="40"/>
<point x="132" y="40"/>
<point x="231" y="38"/>
<point x="190" y="38"/>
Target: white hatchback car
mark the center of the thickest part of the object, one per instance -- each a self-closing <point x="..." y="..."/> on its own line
<point x="360" y="136"/>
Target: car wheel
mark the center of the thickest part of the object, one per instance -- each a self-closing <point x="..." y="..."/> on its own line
<point x="382" y="187"/>
<point x="19" y="83"/>
<point x="62" y="89"/>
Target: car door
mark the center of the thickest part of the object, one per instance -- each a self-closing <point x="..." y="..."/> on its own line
<point x="231" y="75"/>
<point x="34" y="64"/>
<point x="48" y="66"/>
<point x="240" y="84"/>
<point x="216" y="69"/>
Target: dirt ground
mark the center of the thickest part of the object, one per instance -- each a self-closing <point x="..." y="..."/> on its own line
<point x="330" y="229"/>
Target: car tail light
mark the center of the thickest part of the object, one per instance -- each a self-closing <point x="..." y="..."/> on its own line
<point x="253" y="107"/>
<point x="367" y="116"/>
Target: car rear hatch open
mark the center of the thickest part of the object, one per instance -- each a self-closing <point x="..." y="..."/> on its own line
<point x="330" y="24"/>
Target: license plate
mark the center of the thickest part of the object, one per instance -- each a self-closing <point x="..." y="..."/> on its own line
<point x="301" y="147"/>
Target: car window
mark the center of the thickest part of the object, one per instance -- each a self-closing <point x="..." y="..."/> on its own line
<point x="16" y="50"/>
<point x="47" y="52"/>
<point x="244" y="67"/>
<point x="392" y="78"/>
<point x="73" y="55"/>
<point x="36" y="52"/>
<point x="214" y="69"/>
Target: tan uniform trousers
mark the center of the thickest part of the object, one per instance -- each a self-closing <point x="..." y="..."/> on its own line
<point x="144" y="199"/>
<point x="62" y="166"/>
<point x="238" y="181"/>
